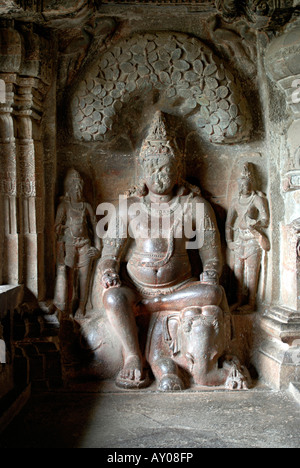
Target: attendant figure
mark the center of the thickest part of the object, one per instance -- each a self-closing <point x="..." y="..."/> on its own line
<point x="77" y="246"/>
<point x="247" y="218"/>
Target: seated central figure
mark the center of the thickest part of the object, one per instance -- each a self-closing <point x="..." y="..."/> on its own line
<point x="152" y="273"/>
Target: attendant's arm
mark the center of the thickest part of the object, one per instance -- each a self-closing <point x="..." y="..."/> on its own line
<point x="229" y="228"/>
<point x="263" y="210"/>
<point x="60" y="220"/>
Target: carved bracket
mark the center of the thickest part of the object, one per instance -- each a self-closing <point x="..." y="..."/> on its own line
<point x="189" y="78"/>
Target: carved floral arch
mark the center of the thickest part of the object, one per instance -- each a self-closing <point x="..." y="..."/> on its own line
<point x="186" y="73"/>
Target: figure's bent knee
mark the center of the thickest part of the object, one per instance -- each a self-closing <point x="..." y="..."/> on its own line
<point x="212" y="311"/>
<point x="211" y="294"/>
<point x="116" y="298"/>
<point x="215" y="295"/>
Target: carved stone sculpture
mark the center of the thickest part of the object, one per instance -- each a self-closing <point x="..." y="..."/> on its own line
<point x="75" y="220"/>
<point x="187" y="316"/>
<point x="261" y="14"/>
<point x="247" y="218"/>
<point x="185" y="73"/>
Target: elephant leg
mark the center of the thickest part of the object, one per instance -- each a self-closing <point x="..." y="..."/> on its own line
<point x="167" y="373"/>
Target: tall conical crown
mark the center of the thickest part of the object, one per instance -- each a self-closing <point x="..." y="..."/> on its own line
<point x="160" y="140"/>
<point x="247" y="172"/>
<point x="158" y="128"/>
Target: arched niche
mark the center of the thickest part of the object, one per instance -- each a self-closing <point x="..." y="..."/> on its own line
<point x="188" y="79"/>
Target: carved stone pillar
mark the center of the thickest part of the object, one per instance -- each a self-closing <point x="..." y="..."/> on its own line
<point x="11" y="242"/>
<point x="30" y="156"/>
<point x="26" y="71"/>
<point x="278" y="361"/>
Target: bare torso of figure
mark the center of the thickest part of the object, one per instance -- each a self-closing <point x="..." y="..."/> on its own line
<point x="159" y="257"/>
<point x="76" y="221"/>
<point x="147" y="263"/>
<point x="246" y="208"/>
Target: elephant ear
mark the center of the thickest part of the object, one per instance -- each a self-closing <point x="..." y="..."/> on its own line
<point x="171" y="335"/>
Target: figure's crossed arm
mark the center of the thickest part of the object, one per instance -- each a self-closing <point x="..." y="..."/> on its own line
<point x="229" y="228"/>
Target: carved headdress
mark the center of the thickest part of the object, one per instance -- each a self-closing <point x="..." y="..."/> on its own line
<point x="160" y="140"/>
<point x="160" y="143"/>
<point x="247" y="173"/>
<point x="72" y="177"/>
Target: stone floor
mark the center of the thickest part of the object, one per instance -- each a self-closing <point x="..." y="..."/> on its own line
<point x="259" y="418"/>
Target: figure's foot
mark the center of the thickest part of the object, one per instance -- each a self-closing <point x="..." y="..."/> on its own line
<point x="238" y="376"/>
<point x="132" y="369"/>
<point x="171" y="383"/>
<point x="131" y="374"/>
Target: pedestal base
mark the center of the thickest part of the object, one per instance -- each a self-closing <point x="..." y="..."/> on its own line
<point x="278" y="355"/>
<point x="277" y="364"/>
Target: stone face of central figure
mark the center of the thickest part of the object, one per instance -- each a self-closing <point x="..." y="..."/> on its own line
<point x="146" y="269"/>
